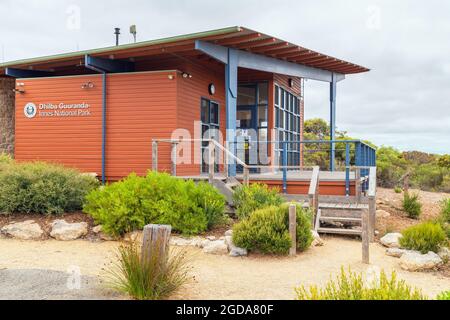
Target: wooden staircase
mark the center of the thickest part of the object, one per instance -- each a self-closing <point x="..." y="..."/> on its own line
<point x="340" y="218"/>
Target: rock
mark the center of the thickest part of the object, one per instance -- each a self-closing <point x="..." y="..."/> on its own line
<point x="97" y="229"/>
<point x="63" y="231"/>
<point x="444" y="253"/>
<point x="391" y="240"/>
<point x="27" y="230"/>
<point x="135" y="236"/>
<point x="235" y="251"/>
<point x="317" y="242"/>
<point x="180" y="242"/>
<point x="415" y="261"/>
<point x="229" y="233"/>
<point x="383" y="214"/>
<point x="396" y="252"/>
<point x="216" y="247"/>
<point x="211" y="238"/>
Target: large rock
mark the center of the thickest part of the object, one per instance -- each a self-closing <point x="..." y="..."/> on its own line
<point x="134" y="236"/>
<point x="98" y="230"/>
<point x="391" y="240"/>
<point x="216" y="247"/>
<point x="64" y="231"/>
<point x="396" y="252"/>
<point x="415" y="261"/>
<point x="444" y="253"/>
<point x="383" y="214"/>
<point x="27" y="230"/>
<point x="235" y="251"/>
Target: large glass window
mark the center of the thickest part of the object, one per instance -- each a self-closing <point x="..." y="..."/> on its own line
<point x="287" y="125"/>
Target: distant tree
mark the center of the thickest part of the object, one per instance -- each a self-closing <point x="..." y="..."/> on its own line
<point x="444" y="161"/>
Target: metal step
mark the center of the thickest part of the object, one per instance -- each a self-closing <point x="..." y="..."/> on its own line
<point x="340" y="231"/>
<point x="340" y="219"/>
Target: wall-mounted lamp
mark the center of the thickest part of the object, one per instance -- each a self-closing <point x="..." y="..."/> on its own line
<point x="88" y="85"/>
<point x="18" y="90"/>
<point x="171" y="77"/>
<point x="290" y="82"/>
<point x="186" y="75"/>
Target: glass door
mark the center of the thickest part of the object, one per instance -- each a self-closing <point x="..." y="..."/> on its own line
<point x="210" y="128"/>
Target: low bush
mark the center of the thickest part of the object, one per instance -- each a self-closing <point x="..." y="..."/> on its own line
<point x="445" y="210"/>
<point x="398" y="190"/>
<point x="43" y="188"/>
<point x="444" y="296"/>
<point x="158" y="198"/>
<point x="424" y="237"/>
<point x="154" y="278"/>
<point x="256" y="196"/>
<point x="411" y="205"/>
<point x="351" y="286"/>
<point x="267" y="230"/>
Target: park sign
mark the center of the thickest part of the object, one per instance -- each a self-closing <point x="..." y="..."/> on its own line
<point x="58" y="110"/>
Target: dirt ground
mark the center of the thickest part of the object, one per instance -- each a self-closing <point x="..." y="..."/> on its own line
<point x="212" y="277"/>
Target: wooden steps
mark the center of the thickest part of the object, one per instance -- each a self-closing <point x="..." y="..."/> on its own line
<point x="340" y="231"/>
<point x="340" y="219"/>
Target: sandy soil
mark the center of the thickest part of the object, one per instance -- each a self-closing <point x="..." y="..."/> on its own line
<point x="221" y="277"/>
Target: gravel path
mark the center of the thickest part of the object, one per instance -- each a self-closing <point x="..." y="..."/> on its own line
<point x="27" y="271"/>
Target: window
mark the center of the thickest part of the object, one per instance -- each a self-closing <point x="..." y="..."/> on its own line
<point x="287" y="124"/>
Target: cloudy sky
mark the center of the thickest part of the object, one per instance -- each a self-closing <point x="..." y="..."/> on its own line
<point x="404" y="101"/>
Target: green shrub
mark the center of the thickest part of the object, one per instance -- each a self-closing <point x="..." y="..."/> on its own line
<point x="398" y="190"/>
<point x="444" y="296"/>
<point x="157" y="198"/>
<point x="38" y="187"/>
<point x="267" y="230"/>
<point x="154" y="278"/>
<point x="256" y="196"/>
<point x="424" y="237"/>
<point x="445" y="210"/>
<point x="351" y="286"/>
<point x="411" y="205"/>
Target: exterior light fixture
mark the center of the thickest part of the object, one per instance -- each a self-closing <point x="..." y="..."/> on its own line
<point x="212" y="89"/>
<point x="291" y="82"/>
<point x="88" y="85"/>
<point x="186" y="75"/>
<point x="171" y="77"/>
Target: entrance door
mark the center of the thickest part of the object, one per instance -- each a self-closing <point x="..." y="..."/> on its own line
<point x="210" y="128"/>
<point x="247" y="134"/>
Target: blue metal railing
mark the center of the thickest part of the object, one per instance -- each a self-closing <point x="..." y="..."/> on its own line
<point x="363" y="156"/>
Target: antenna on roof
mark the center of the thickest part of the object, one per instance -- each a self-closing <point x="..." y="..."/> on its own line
<point x="133" y="31"/>
<point x="117" y="33"/>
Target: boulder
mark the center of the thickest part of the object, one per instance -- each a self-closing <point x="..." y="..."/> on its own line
<point x="27" y="230"/>
<point x="98" y="230"/>
<point x="229" y="233"/>
<point x="396" y="252"/>
<point x="444" y="253"/>
<point x="317" y="242"/>
<point x="64" y="231"/>
<point x="135" y="236"/>
<point x="180" y="242"/>
<point x="216" y="247"/>
<point x="211" y="238"/>
<point x="235" y="251"/>
<point x="416" y="261"/>
<point x="391" y="240"/>
<point x="383" y="214"/>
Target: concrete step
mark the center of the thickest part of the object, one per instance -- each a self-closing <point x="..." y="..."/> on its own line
<point x="340" y="231"/>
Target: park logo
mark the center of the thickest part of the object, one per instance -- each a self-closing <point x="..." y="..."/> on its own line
<point x="30" y="110"/>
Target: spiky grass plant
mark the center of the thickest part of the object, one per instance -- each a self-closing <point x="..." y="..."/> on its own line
<point x="351" y="286"/>
<point x="148" y="277"/>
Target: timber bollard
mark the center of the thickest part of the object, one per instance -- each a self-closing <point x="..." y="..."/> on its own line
<point x="365" y="237"/>
<point x="293" y="229"/>
<point x="155" y="241"/>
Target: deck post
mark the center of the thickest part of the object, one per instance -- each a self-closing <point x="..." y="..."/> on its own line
<point x="155" y="156"/>
<point x="231" y="88"/>
<point x="174" y="159"/>
<point x="155" y="242"/>
<point x="372" y="218"/>
<point x="293" y="229"/>
<point x="358" y="190"/>
<point x="365" y="237"/>
<point x="347" y="169"/>
<point x="333" y="87"/>
<point x="211" y="162"/>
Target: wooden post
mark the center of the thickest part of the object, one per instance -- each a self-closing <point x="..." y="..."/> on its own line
<point x="155" y="156"/>
<point x="211" y="161"/>
<point x="365" y="237"/>
<point x="246" y="176"/>
<point x="155" y="241"/>
<point x="293" y="229"/>
<point x="174" y="159"/>
<point x="358" y="189"/>
<point x="406" y="183"/>
<point x="372" y="218"/>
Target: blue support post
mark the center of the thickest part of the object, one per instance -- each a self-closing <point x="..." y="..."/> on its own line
<point x="347" y="169"/>
<point x="285" y="164"/>
<point x="231" y="88"/>
<point x="333" y="87"/>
